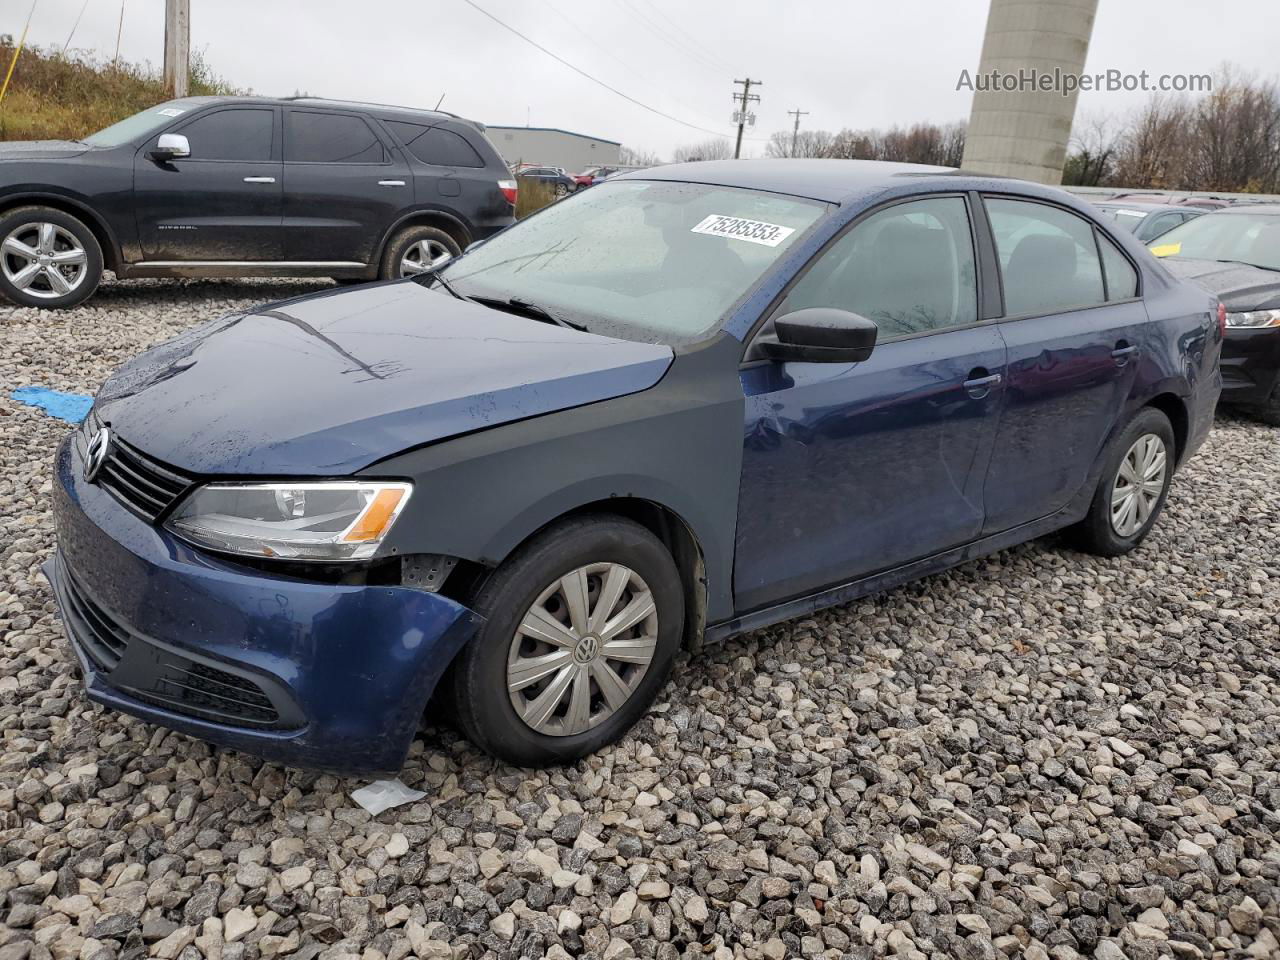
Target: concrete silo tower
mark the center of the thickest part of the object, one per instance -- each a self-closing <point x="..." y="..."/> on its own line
<point x="1023" y="132"/>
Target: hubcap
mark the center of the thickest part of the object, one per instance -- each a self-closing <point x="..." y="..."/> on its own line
<point x="582" y="649"/>
<point x="1138" y="485"/>
<point x="422" y="256"/>
<point x="43" y="260"/>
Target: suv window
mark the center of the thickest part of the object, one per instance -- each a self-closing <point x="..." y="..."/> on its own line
<point x="1048" y="257"/>
<point x="1122" y="278"/>
<point x="435" y="145"/>
<point x="238" y="134"/>
<point x="330" y="138"/>
<point x="910" y="268"/>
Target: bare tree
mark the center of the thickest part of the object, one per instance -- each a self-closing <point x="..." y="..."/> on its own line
<point x="1091" y="153"/>
<point x="711" y="149"/>
<point x="638" y="157"/>
<point x="806" y="143"/>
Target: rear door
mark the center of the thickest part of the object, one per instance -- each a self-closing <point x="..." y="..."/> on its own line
<point x="224" y="202"/>
<point x="1076" y="333"/>
<point x="448" y="172"/>
<point x="343" y="186"/>
<point x="850" y="469"/>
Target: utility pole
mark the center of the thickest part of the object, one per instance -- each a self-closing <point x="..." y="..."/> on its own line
<point x="177" y="46"/>
<point x="795" y="134"/>
<point x="741" y="115"/>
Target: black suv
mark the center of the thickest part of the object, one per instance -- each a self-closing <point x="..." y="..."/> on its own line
<point x="247" y="186"/>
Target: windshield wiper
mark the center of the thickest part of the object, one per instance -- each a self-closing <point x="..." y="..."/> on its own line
<point x="516" y="305"/>
<point x="438" y="277"/>
<point x="1246" y="263"/>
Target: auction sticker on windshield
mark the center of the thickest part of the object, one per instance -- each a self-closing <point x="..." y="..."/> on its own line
<point x="736" y="228"/>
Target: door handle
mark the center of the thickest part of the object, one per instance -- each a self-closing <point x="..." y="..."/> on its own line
<point x="391" y="183"/>
<point x="979" y="387"/>
<point x="1123" y="352"/>
<point x="259" y="179"/>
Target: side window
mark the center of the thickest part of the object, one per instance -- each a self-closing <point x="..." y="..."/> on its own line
<point x="1122" y="278"/>
<point x="1048" y="257"/>
<point x="435" y="145"/>
<point x="239" y="134"/>
<point x="910" y="268"/>
<point x="330" y="138"/>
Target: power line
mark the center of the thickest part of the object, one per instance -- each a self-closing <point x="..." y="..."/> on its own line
<point x="75" y="25"/>
<point x="678" y="30"/>
<point x="675" y="42"/>
<point x="595" y="80"/>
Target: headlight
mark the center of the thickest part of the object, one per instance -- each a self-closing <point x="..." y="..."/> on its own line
<point x="1254" y="318"/>
<point x="335" y="520"/>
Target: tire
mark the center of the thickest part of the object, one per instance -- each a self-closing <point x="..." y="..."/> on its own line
<point x="1269" y="412"/>
<point x="417" y="244"/>
<point x="1099" y="532"/>
<point x="561" y="190"/>
<point x="606" y="547"/>
<point x="65" y="262"/>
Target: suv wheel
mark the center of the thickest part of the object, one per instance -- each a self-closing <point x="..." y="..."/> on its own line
<point x="1133" y="488"/>
<point x="415" y="250"/>
<point x="47" y="258"/>
<point x="581" y="626"/>
<point x="1269" y="412"/>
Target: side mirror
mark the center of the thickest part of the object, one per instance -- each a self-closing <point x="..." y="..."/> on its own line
<point x="171" y="146"/>
<point x="819" y="335"/>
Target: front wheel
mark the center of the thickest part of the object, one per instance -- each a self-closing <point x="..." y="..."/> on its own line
<point x="47" y="258"/>
<point x="562" y="190"/>
<point x="581" y="626"/>
<point x="1133" y="487"/>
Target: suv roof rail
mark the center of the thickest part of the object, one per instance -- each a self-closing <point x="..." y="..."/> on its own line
<point x="308" y="98"/>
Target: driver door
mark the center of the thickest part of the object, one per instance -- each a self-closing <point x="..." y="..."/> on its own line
<point x="851" y="469"/>
<point x="223" y="203"/>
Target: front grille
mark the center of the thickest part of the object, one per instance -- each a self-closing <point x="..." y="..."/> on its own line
<point x="207" y="693"/>
<point x="101" y="636"/>
<point x="144" y="485"/>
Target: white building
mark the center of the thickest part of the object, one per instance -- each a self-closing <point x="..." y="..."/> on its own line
<point x="551" y="147"/>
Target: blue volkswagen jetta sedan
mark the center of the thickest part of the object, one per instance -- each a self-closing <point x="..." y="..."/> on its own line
<point x="690" y="402"/>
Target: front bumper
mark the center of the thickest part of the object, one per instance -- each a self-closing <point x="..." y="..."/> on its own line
<point x="1250" y="365"/>
<point x="307" y="674"/>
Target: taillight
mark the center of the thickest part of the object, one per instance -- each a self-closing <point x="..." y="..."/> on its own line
<point x="508" y="188"/>
<point x="1222" y="317"/>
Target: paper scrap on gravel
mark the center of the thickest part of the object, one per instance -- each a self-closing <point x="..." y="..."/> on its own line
<point x="385" y="794"/>
<point x="71" y="407"/>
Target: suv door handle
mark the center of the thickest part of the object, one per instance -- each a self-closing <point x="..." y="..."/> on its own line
<point x="1123" y="352"/>
<point x="391" y="183"/>
<point x="979" y="386"/>
<point x="259" y="179"/>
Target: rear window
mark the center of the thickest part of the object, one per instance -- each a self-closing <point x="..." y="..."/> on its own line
<point x="436" y="145"/>
<point x="330" y="138"/>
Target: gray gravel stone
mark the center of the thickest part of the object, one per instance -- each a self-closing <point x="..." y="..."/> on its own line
<point x="1038" y="754"/>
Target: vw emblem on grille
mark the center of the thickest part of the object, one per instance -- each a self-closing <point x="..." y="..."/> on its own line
<point x="96" y="455"/>
<point x="588" y="649"/>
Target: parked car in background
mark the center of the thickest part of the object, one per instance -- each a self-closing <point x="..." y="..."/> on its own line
<point x="246" y="186"/>
<point x="735" y="393"/>
<point x="586" y="177"/>
<point x="1203" y="203"/>
<point x="554" y="177"/>
<point x="1235" y="255"/>
<point x="594" y="175"/>
<point x="1146" y="221"/>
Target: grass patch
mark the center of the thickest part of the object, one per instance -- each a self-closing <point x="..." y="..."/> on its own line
<point x="57" y="97"/>
<point x="533" y="195"/>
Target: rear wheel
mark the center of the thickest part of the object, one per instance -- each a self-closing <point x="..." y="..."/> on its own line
<point x="416" y="250"/>
<point x="562" y="190"/>
<point x="1133" y="487"/>
<point x="47" y="258"/>
<point x="581" y="626"/>
<point x="1269" y="412"/>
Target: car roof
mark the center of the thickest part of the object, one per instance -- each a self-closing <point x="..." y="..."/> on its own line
<point x="828" y="180"/>
<point x="1266" y="209"/>
<point x="374" y="108"/>
<point x="1147" y="208"/>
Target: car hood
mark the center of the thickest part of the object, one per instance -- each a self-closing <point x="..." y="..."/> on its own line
<point x="1238" y="285"/>
<point x="328" y="384"/>
<point x="41" y="149"/>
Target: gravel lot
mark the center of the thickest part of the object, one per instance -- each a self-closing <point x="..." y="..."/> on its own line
<point x="1041" y="754"/>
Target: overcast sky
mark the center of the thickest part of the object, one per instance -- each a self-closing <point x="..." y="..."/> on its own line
<point x="850" y="63"/>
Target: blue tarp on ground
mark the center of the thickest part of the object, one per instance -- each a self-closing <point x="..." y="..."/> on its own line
<point x="71" y="407"/>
